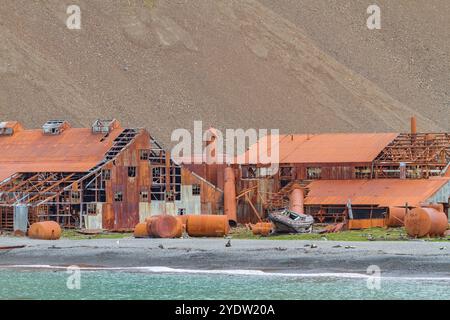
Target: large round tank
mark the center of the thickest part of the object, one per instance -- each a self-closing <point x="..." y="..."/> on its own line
<point x="46" y="230"/>
<point x="296" y="200"/>
<point x="207" y="225"/>
<point x="140" y="231"/>
<point x="421" y="222"/>
<point x="149" y="221"/>
<point x="166" y="226"/>
<point x="262" y="228"/>
<point x="395" y="217"/>
<point x="229" y="196"/>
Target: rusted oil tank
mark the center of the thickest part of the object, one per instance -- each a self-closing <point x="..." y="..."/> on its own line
<point x="229" y="196"/>
<point x="436" y="206"/>
<point x="207" y="225"/>
<point x="46" y="230"/>
<point x="149" y="221"/>
<point x="296" y="199"/>
<point x="166" y="226"/>
<point x="421" y="222"/>
<point x="140" y="231"/>
<point x="262" y="228"/>
<point x="396" y="217"/>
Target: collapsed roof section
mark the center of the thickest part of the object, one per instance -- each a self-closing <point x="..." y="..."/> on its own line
<point x="64" y="150"/>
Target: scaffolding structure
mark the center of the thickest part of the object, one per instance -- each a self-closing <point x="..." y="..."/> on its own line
<point x="415" y="156"/>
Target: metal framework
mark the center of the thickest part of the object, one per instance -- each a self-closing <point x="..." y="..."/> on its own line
<point x="422" y="155"/>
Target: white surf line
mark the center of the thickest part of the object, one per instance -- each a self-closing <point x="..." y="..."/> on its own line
<point x="242" y="272"/>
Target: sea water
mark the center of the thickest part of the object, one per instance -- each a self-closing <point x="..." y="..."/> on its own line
<point x="45" y="282"/>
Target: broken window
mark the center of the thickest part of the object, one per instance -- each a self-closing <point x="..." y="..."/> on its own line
<point x="131" y="172"/>
<point x="313" y="172"/>
<point x="362" y="172"/>
<point x="144" y="154"/>
<point x="158" y="192"/>
<point x="75" y="196"/>
<point x="196" y="189"/>
<point x="158" y="175"/>
<point x="91" y="209"/>
<point x="143" y="196"/>
<point x="118" y="197"/>
<point x="106" y="174"/>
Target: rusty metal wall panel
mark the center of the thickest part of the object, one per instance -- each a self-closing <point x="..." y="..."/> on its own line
<point x="126" y="212"/>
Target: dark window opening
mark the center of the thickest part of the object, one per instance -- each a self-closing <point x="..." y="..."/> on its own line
<point x="143" y="196"/>
<point x="131" y="172"/>
<point x="181" y="211"/>
<point x="196" y="189"/>
<point x="92" y="209"/>
<point x="118" y="197"/>
<point x="106" y="174"/>
<point x="313" y="173"/>
<point x="144" y="154"/>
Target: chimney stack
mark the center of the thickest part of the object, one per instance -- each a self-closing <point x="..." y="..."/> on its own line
<point x="413" y="125"/>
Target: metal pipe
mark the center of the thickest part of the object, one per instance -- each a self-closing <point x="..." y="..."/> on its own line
<point x="229" y="196"/>
<point x="413" y="125"/>
<point x="296" y="199"/>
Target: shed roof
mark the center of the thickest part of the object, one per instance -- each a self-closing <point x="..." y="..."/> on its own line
<point x="381" y="192"/>
<point x="323" y="148"/>
<point x="73" y="150"/>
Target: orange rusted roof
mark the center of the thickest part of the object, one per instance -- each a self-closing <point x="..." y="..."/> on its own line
<point x="74" y="150"/>
<point x="381" y="192"/>
<point x="323" y="148"/>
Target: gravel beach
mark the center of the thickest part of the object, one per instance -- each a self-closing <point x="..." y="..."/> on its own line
<point x="412" y="258"/>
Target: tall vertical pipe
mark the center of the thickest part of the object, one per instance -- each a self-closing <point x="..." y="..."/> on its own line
<point x="413" y="125"/>
<point x="296" y="200"/>
<point x="229" y="196"/>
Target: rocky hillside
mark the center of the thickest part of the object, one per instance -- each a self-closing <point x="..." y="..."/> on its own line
<point x="300" y="66"/>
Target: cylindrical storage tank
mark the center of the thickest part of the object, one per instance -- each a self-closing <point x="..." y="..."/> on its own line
<point x="149" y="221"/>
<point x="296" y="200"/>
<point x="140" y="231"/>
<point x="436" y="206"/>
<point x="395" y="217"/>
<point x="262" y="228"/>
<point x="421" y="222"/>
<point x="229" y="196"/>
<point x="166" y="226"/>
<point x="46" y="230"/>
<point x="207" y="225"/>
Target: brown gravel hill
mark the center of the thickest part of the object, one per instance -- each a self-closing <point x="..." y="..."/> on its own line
<point x="300" y="66"/>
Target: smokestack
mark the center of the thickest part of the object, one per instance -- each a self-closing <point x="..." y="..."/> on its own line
<point x="413" y="125"/>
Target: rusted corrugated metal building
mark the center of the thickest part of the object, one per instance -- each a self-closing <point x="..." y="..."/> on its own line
<point x="400" y="163"/>
<point x="99" y="177"/>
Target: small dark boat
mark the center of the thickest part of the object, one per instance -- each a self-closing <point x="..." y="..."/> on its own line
<point x="287" y="221"/>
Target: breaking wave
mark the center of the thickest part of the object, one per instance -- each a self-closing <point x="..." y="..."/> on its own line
<point x="240" y="272"/>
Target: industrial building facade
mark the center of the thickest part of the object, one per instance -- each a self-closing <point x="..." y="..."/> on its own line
<point x="103" y="177"/>
<point x="109" y="177"/>
<point x="361" y="174"/>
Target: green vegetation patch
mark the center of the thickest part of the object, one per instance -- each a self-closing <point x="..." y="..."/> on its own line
<point x="372" y="234"/>
<point x="74" y="235"/>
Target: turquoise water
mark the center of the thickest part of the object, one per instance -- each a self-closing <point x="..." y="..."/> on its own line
<point x="116" y="284"/>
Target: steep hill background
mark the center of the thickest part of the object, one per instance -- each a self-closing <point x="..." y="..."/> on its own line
<point x="300" y="66"/>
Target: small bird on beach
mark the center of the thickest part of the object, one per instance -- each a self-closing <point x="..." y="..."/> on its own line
<point x="228" y="244"/>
